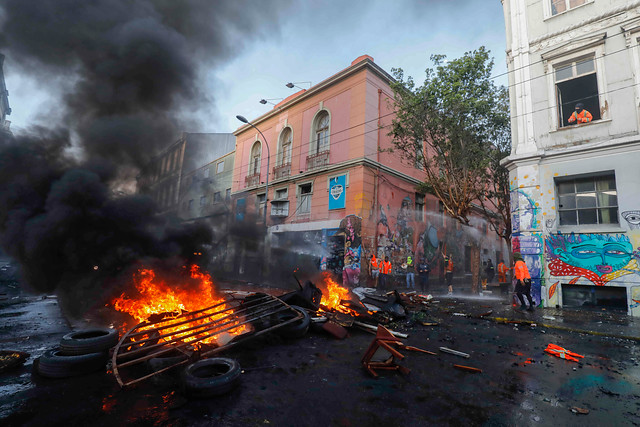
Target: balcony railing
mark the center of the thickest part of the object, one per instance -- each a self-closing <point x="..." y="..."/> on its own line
<point x="318" y="160"/>
<point x="252" y="180"/>
<point x="282" y="171"/>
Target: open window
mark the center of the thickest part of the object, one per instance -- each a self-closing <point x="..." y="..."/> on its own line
<point x="576" y="82"/>
<point x="305" y="192"/>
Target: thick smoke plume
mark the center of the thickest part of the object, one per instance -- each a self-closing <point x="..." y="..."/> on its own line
<point x="130" y="68"/>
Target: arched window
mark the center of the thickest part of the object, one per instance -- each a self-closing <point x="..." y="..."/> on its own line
<point x="256" y="154"/>
<point x="320" y="140"/>
<point x="284" y="147"/>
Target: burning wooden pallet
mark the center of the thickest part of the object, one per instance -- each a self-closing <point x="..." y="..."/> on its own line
<point x="198" y="334"/>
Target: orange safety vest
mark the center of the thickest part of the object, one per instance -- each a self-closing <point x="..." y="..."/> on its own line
<point x="448" y="267"/>
<point x="562" y="353"/>
<point x="502" y="271"/>
<point x="374" y="263"/>
<point x="583" y="117"/>
<point x="521" y="271"/>
<point x="385" y="267"/>
<point x="502" y="268"/>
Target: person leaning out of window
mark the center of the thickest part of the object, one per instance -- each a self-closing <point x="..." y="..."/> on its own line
<point x="580" y="115"/>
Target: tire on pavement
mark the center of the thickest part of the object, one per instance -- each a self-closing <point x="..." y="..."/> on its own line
<point x="211" y="377"/>
<point x="87" y="341"/>
<point x="56" y="363"/>
<point x="164" y="360"/>
<point x="296" y="329"/>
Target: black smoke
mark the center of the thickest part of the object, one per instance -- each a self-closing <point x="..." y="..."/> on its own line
<point x="129" y="68"/>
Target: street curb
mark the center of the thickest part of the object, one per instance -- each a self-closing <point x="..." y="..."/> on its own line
<point x="506" y="320"/>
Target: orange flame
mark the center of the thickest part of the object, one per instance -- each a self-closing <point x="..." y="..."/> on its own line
<point x="333" y="294"/>
<point x="155" y="296"/>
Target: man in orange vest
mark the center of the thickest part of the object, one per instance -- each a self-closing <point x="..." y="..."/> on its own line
<point x="523" y="281"/>
<point x="502" y="271"/>
<point x="374" y="270"/>
<point x="448" y="273"/>
<point x="385" y="269"/>
<point x="580" y="115"/>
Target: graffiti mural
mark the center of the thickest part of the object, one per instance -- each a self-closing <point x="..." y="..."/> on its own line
<point x="399" y="236"/>
<point x="635" y="301"/>
<point x="351" y="227"/>
<point x="553" y="295"/>
<point x="632" y="218"/>
<point x="524" y="211"/>
<point x="599" y="258"/>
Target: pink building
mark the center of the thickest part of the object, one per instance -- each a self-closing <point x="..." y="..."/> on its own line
<point x="334" y="190"/>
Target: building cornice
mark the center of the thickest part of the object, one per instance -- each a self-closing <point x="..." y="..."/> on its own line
<point x="336" y="167"/>
<point x="314" y="90"/>
<point x="613" y="11"/>
<point x="576" y="152"/>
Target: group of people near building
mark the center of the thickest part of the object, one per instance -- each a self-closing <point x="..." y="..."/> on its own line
<point x="381" y="269"/>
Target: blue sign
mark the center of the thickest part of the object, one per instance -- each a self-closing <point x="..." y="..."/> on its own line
<point x="337" y="192"/>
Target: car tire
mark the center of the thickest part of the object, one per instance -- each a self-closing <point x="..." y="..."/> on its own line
<point x="56" y="363"/>
<point x="164" y="360"/>
<point x="211" y="377"/>
<point x="87" y="341"/>
<point x="296" y="329"/>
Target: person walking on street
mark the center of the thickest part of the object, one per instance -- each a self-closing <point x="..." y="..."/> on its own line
<point x="385" y="269"/>
<point x="423" y="274"/>
<point x="448" y="273"/>
<point x="502" y="272"/>
<point x="374" y="271"/>
<point x="523" y="281"/>
<point x="411" y="273"/>
<point x="491" y="271"/>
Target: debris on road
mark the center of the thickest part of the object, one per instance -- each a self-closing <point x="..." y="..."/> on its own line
<point x="577" y="410"/>
<point x="468" y="369"/>
<point x="454" y="352"/>
<point x="562" y="353"/>
<point x="373" y="328"/>
<point x="10" y="359"/>
<point x="384" y="340"/>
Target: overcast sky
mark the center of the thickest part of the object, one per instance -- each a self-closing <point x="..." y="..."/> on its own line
<point x="315" y="40"/>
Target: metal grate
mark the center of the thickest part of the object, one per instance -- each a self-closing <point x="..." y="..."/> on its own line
<point x="261" y="312"/>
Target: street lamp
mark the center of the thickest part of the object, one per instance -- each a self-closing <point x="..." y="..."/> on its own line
<point x="266" y="191"/>
<point x="295" y="84"/>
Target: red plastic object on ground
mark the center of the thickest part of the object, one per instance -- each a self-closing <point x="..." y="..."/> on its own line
<point x="562" y="353"/>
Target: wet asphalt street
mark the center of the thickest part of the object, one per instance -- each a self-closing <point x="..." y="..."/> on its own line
<point x="318" y="380"/>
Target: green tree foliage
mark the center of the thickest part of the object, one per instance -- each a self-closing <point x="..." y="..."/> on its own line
<point x="456" y="128"/>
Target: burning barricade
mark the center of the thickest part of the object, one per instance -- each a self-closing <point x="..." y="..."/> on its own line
<point x="187" y="327"/>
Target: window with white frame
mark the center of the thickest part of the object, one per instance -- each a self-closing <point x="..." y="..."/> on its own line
<point x="588" y="200"/>
<point x="280" y="203"/>
<point x="305" y="192"/>
<point x="284" y="147"/>
<point x="220" y="167"/>
<point x="261" y="201"/>
<point x="256" y="153"/>
<point x="559" y="6"/>
<point x="320" y="142"/>
<point x="576" y="83"/>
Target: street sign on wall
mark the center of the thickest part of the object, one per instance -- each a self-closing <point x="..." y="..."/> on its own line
<point x="337" y="192"/>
